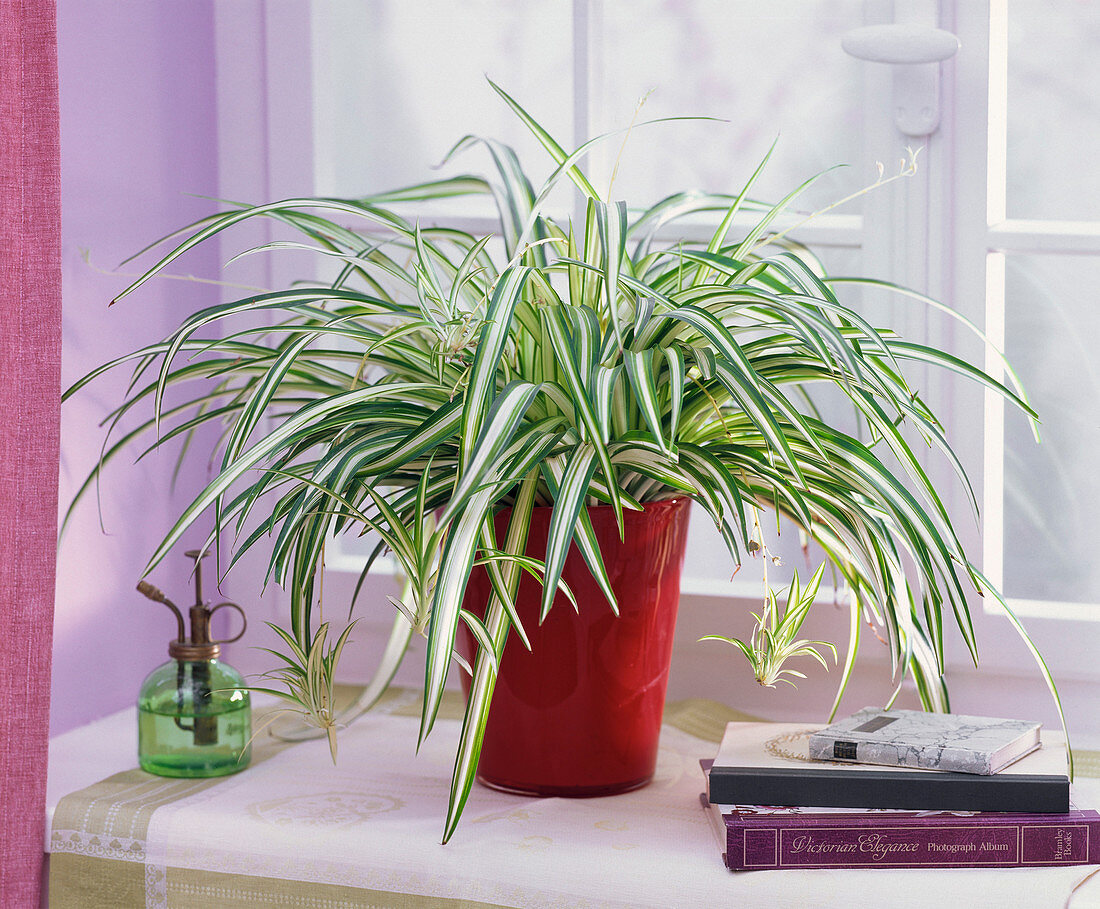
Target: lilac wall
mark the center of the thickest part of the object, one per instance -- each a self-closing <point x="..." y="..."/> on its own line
<point x="138" y="131"/>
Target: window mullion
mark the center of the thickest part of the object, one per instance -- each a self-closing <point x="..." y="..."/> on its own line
<point x="1067" y="237"/>
<point x="585" y="82"/>
<point x="966" y="136"/>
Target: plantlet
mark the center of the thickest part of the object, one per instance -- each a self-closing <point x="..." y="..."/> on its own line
<point x="773" y="639"/>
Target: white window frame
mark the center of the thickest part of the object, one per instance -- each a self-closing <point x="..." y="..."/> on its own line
<point x="984" y="235"/>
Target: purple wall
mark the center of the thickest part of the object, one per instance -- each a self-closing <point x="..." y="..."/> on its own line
<point x="138" y="131"/>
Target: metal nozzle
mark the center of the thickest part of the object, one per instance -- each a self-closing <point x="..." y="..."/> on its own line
<point x="153" y="593"/>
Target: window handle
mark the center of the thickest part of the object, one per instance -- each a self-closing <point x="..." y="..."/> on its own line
<point x="900" y="44"/>
<point x="915" y="52"/>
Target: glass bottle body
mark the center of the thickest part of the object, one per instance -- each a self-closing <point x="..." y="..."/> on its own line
<point x="194" y="720"/>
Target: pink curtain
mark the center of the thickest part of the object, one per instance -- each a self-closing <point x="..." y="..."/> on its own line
<point x="30" y="377"/>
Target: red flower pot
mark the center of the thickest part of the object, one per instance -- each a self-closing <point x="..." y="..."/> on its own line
<point x="580" y="714"/>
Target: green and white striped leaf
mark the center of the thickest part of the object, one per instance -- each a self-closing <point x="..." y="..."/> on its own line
<point x="640" y="370"/>
<point x="584" y="534"/>
<point x="496" y="435"/>
<point x="565" y="356"/>
<point x="483" y="377"/>
<point x="611" y="223"/>
<point x="568" y="505"/>
<point x="484" y="678"/>
<point x="455" y="564"/>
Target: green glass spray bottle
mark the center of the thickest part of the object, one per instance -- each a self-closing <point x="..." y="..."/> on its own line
<point x="194" y="713"/>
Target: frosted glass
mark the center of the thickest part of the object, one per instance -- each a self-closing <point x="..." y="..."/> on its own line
<point x="774" y="69"/>
<point x="396" y="84"/>
<point x="1053" y="112"/>
<point x="1051" y="494"/>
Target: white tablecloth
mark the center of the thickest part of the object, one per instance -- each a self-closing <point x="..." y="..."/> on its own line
<point x="294" y="830"/>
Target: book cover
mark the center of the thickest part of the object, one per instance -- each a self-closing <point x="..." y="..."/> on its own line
<point x="758" y="838"/>
<point x="932" y="741"/>
<point x="769" y="764"/>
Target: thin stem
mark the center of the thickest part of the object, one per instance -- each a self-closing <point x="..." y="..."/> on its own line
<point x="622" y="148"/>
<point x="908" y="168"/>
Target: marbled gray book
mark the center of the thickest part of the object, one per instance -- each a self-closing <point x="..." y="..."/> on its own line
<point x="930" y="741"/>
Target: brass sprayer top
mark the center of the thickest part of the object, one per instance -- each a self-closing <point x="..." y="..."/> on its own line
<point x="200" y="646"/>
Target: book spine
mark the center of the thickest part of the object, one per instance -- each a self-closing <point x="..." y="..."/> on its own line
<point x="867" y="788"/>
<point x="759" y="846"/>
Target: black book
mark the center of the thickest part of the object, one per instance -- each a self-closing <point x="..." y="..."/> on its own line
<point x="769" y="764"/>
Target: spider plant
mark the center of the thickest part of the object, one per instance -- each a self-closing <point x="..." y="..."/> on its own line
<point x="434" y="377"/>
<point x="773" y="640"/>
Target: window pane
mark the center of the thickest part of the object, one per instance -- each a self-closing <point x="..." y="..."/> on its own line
<point x="1053" y="113"/>
<point x="774" y="69"/>
<point x="396" y="84"/>
<point x="1052" y="495"/>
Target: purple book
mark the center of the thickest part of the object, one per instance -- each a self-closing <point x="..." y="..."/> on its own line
<point x="757" y="838"/>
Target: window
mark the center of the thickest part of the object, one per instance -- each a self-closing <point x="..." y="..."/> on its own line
<point x="1001" y="222"/>
<point x="1042" y="249"/>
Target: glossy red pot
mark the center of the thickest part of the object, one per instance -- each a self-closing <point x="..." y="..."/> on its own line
<point x="580" y="714"/>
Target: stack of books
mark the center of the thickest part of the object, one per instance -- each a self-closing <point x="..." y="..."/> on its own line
<point x="896" y="789"/>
